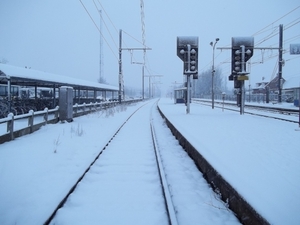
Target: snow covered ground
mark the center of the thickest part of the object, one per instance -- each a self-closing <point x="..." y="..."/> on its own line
<point x="123" y="186"/>
<point x="37" y="170"/>
<point x="259" y="157"/>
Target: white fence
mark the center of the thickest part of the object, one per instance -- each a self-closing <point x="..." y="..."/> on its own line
<point x="13" y="126"/>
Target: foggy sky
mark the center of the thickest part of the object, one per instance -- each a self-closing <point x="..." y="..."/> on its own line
<point x="59" y="37"/>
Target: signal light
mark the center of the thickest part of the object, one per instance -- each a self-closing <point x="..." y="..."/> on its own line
<point x="187" y="51"/>
<point x="193" y="61"/>
<point x="241" y="52"/>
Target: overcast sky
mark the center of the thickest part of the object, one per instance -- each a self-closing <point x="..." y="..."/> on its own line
<point x="59" y="36"/>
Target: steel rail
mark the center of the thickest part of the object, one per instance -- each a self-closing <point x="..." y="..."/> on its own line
<point x="62" y="202"/>
<point x="280" y="111"/>
<point x="165" y="190"/>
<point x="165" y="187"/>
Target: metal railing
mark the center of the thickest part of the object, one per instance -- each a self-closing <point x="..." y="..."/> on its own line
<point x="82" y="109"/>
<point x="260" y="98"/>
<point x="19" y="125"/>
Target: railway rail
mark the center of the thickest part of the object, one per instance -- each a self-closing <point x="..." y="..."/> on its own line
<point x="285" y="114"/>
<point x="134" y="185"/>
<point x="163" y="208"/>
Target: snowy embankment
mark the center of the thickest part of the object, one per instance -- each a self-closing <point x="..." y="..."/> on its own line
<point x="259" y="157"/>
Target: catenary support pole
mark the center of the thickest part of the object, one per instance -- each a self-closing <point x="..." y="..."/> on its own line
<point x="280" y="63"/>
<point x="120" y="66"/>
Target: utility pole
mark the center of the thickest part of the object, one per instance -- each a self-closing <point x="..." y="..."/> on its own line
<point x="121" y="82"/>
<point x="101" y="51"/>
<point x="280" y="62"/>
<point x="144" y="44"/>
<point x="212" y="73"/>
<point x="150" y="83"/>
<point x="120" y="67"/>
<point x="153" y="88"/>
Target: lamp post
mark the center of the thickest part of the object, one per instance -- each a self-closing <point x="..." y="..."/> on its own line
<point x="213" y="73"/>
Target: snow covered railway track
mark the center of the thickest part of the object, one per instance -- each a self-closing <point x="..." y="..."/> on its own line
<point x="288" y="115"/>
<point x="165" y="186"/>
<point x="143" y="177"/>
<point x="124" y="184"/>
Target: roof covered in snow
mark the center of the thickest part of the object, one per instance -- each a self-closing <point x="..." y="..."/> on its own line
<point x="29" y="77"/>
<point x="292" y="82"/>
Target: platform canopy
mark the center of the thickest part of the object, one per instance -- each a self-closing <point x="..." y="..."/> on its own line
<point x="29" y="77"/>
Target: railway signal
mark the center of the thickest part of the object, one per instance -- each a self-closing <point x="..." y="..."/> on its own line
<point x="187" y="51"/>
<point x="295" y="50"/>
<point x="241" y="51"/>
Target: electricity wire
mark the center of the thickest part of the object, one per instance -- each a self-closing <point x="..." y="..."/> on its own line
<point x="258" y="32"/>
<point x="274" y="32"/>
<point x="108" y="16"/>
<point x="98" y="29"/>
<point x="106" y="25"/>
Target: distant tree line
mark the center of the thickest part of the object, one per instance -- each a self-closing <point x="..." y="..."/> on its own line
<point x="202" y="87"/>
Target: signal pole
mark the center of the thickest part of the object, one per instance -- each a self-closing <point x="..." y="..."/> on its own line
<point x="188" y="78"/>
<point x="187" y="51"/>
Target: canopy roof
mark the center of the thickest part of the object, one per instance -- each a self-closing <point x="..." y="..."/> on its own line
<point x="29" y="77"/>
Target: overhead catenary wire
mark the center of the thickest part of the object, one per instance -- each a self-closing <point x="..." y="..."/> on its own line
<point x="291" y="24"/>
<point x="107" y="16"/>
<point x="276" y="21"/>
<point x="274" y="31"/>
<point x="292" y="38"/>
<point x="111" y="49"/>
<point x="98" y="29"/>
<point x="135" y="39"/>
<point x="123" y="31"/>
<point x="133" y="59"/>
<point x="116" y="27"/>
<point x="106" y="25"/>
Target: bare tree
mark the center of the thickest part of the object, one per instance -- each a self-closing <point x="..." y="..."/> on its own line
<point x="203" y="84"/>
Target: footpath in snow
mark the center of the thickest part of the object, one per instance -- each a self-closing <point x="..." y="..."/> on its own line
<point x="259" y="157"/>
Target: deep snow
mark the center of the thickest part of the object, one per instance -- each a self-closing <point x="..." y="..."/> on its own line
<point x="259" y="157"/>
